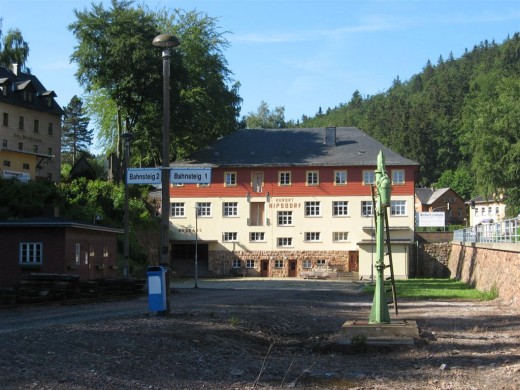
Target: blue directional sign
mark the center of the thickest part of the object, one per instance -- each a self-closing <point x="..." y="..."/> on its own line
<point x="190" y="175"/>
<point x="143" y="176"/>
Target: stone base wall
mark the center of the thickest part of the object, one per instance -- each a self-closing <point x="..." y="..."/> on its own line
<point x="221" y="262"/>
<point x="487" y="268"/>
<point x="434" y="260"/>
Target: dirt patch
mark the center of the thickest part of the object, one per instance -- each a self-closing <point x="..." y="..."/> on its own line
<point x="267" y="338"/>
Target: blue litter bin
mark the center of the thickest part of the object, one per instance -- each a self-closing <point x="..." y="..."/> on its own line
<point x="156" y="288"/>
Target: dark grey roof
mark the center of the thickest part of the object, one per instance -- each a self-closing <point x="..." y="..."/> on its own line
<point x="429" y="195"/>
<point x="294" y="147"/>
<point x="52" y="222"/>
<point x="18" y="82"/>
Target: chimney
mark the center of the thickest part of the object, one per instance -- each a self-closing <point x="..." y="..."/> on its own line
<point x="15" y="68"/>
<point x="330" y="136"/>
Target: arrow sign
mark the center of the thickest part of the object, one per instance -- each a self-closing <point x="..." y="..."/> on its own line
<point x="143" y="176"/>
<point x="190" y="175"/>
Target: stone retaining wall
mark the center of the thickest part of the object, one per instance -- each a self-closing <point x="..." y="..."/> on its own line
<point x="488" y="267"/>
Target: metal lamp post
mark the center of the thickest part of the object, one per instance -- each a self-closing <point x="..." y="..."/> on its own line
<point x="127" y="137"/>
<point x="197" y="208"/>
<point x="166" y="42"/>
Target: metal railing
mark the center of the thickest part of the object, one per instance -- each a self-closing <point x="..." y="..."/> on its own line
<point x="506" y="231"/>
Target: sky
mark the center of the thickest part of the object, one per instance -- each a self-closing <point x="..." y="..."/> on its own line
<point x="297" y="54"/>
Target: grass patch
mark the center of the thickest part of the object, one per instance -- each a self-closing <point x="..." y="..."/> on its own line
<point x="437" y="289"/>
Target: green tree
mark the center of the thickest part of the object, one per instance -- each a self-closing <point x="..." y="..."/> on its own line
<point x="203" y="105"/>
<point x="264" y="118"/>
<point x="13" y="49"/>
<point x="76" y="137"/>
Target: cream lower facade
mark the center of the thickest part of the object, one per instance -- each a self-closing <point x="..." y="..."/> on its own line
<point x="273" y="236"/>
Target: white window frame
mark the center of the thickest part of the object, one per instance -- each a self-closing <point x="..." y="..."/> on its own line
<point x="236" y="263"/>
<point x="177" y="209"/>
<point x="284" y="218"/>
<point x="278" y="263"/>
<point x="398" y="207"/>
<point x="250" y="263"/>
<point x="257" y="237"/>
<point x="312" y="237"/>
<point x="30" y="253"/>
<point x="203" y="209"/>
<point x="230" y="179"/>
<point x="342" y="176"/>
<point x="284" y="178"/>
<point x="312" y="178"/>
<point x="340" y="208"/>
<point x="306" y="264"/>
<point x="313" y="208"/>
<point x="285" y="242"/>
<point x="340" y="237"/>
<point x="230" y="209"/>
<point x="398" y="176"/>
<point x="367" y="208"/>
<point x="369" y="177"/>
<point x="230" y="237"/>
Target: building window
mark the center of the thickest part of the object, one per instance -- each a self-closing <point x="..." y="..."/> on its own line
<point x="398" y="176"/>
<point x="35" y="148"/>
<point x="398" y="207"/>
<point x="7" y="163"/>
<point x="285" y="218"/>
<point x="105" y="252"/>
<point x="340" y="236"/>
<point x="476" y="211"/>
<point x="49" y="151"/>
<point x="177" y="209"/>
<point x="6" y="119"/>
<point x="50" y="129"/>
<point x="230" y="179"/>
<point x="340" y="178"/>
<point x="306" y="263"/>
<point x="312" y="209"/>
<point x="20" y="122"/>
<point x="204" y="209"/>
<point x="77" y="256"/>
<point x="20" y="145"/>
<point x="31" y="253"/>
<point x="490" y="210"/>
<point x="250" y="264"/>
<point x="230" y="209"/>
<point x="25" y="166"/>
<point x="4" y="143"/>
<point x="497" y="210"/>
<point x="340" y="208"/>
<point x="313" y="178"/>
<point x="278" y="263"/>
<point x="36" y="125"/>
<point x="284" y="241"/>
<point x="321" y="263"/>
<point x="256" y="236"/>
<point x="368" y="177"/>
<point x="229" y="236"/>
<point x="236" y="263"/>
<point x="312" y="236"/>
<point x="284" y="178"/>
<point x="367" y="208"/>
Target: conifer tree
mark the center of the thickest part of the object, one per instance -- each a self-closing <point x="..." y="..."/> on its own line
<point x="75" y="135"/>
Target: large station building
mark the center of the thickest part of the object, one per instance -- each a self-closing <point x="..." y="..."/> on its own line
<point x="288" y="202"/>
<point x="30" y="128"/>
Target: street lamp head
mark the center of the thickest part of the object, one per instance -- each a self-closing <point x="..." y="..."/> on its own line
<point x="165" y="41"/>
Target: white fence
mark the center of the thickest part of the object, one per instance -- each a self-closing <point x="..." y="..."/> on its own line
<point x="507" y="231"/>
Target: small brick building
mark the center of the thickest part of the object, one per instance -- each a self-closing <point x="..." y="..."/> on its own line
<point x="56" y="246"/>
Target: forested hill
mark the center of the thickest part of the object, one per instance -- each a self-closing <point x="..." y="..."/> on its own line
<point x="460" y="118"/>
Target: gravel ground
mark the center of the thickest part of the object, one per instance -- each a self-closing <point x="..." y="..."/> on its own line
<point x="269" y="337"/>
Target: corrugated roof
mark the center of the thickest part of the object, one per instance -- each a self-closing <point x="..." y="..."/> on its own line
<point x="294" y="147"/>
